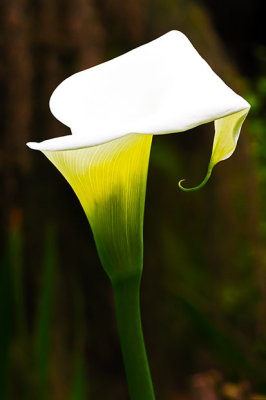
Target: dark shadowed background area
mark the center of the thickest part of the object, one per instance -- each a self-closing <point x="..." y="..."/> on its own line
<point x="204" y="282"/>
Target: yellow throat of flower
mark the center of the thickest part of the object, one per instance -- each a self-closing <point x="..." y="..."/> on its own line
<point x="110" y="182"/>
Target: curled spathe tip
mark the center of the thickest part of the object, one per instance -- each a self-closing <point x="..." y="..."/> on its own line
<point x="201" y="185"/>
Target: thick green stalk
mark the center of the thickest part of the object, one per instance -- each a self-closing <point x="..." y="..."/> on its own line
<point x="127" y="305"/>
<point x="110" y="182"/>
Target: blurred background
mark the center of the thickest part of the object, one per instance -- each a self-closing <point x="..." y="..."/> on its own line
<point x="204" y="282"/>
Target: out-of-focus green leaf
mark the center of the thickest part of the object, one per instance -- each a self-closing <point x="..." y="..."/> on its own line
<point x="6" y="322"/>
<point x="79" y="386"/>
<point x="223" y="348"/>
<point x="44" y="313"/>
<point x="12" y="308"/>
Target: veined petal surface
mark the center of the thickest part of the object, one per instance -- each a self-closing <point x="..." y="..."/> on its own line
<point x="110" y="182"/>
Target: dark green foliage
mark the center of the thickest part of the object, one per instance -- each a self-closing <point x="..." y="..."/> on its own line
<point x="44" y="314"/>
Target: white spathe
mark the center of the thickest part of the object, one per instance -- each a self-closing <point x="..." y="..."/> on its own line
<point x="161" y="87"/>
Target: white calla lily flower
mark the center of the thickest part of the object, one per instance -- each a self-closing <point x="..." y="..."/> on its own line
<point x="162" y="87"/>
<point x="113" y="111"/>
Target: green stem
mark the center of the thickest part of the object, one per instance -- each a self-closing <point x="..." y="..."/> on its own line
<point x="127" y="304"/>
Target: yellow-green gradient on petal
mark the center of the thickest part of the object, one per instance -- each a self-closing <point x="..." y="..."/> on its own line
<point x="110" y="182"/>
<point x="227" y="130"/>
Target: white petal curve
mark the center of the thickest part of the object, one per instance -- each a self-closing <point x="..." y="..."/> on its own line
<point x="68" y="142"/>
<point x="161" y="87"/>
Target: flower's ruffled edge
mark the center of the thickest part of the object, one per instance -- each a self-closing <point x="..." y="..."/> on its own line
<point x="227" y="130"/>
<point x="78" y="141"/>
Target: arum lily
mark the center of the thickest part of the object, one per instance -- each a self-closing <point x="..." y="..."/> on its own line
<point x="113" y="110"/>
